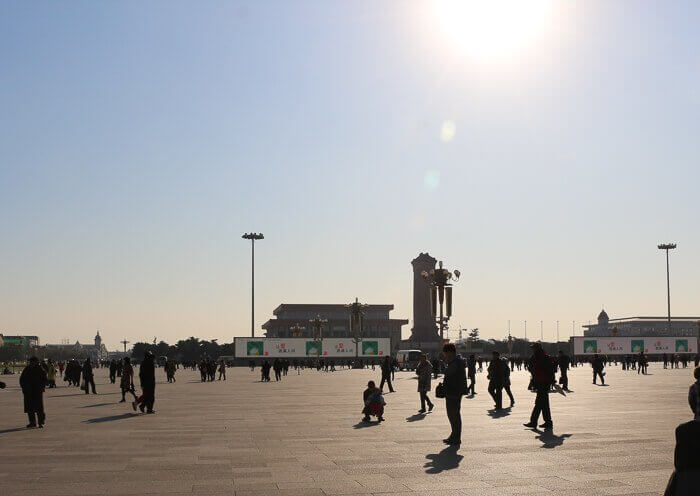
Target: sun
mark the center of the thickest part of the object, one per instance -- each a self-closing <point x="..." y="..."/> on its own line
<point x="493" y="28"/>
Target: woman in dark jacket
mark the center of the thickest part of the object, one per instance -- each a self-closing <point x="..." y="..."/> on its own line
<point x="88" y="377"/>
<point x="33" y="382"/>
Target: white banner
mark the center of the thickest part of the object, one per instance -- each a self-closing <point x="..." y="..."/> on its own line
<point x="308" y="348"/>
<point x="634" y="345"/>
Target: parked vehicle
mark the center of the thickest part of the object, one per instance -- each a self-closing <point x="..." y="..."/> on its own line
<point x="408" y="359"/>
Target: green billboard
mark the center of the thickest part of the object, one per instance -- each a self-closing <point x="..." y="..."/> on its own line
<point x="255" y="348"/>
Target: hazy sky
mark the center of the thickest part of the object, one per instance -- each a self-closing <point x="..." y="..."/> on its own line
<point x="543" y="153"/>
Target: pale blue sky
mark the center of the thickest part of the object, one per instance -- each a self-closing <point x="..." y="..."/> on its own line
<point x="138" y="141"/>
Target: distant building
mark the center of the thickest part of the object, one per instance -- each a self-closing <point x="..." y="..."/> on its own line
<point x="642" y="326"/>
<point x="96" y="351"/>
<point x="292" y="320"/>
<point x="28" y="341"/>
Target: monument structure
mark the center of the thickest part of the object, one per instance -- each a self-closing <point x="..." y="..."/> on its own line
<point x="424" y="333"/>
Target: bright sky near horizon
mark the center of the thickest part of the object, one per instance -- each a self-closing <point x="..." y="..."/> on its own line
<point x="543" y="152"/>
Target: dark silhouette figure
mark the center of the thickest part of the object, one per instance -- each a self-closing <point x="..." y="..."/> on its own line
<point x="564" y="362"/>
<point x="387" y="367"/>
<point x="685" y="479"/>
<point x="454" y="385"/>
<point x="598" y="365"/>
<point x="88" y="377"/>
<point x="147" y="376"/>
<point x="542" y="370"/>
<point x="33" y="383"/>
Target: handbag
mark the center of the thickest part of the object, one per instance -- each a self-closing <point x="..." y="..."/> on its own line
<point x="440" y="391"/>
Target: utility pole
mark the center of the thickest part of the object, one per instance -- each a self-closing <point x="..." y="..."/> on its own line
<point x="125" y="342"/>
<point x="667" y="247"/>
<point x="252" y="237"/>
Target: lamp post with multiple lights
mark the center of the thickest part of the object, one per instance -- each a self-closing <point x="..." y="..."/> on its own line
<point x="357" y="321"/>
<point x="297" y="330"/>
<point x="252" y="237"/>
<point x="667" y="247"/>
<point x="441" y="292"/>
<point x="317" y="326"/>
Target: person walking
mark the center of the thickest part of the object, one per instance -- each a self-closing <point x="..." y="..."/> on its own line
<point x="424" y="371"/>
<point x="222" y="370"/>
<point x="542" y="369"/>
<point x="51" y="374"/>
<point x="564" y="362"/>
<point x="147" y="376"/>
<point x="496" y="380"/>
<point x="506" y="383"/>
<point x="88" y="377"/>
<point x="33" y="381"/>
<point x="126" y="383"/>
<point x="598" y="365"/>
<point x="454" y="384"/>
<point x="471" y="374"/>
<point x="386" y="374"/>
<point x="113" y="371"/>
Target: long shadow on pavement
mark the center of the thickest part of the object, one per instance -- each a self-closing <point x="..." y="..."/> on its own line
<point x="550" y="440"/>
<point x="110" y="418"/>
<point x="503" y="412"/>
<point x="416" y="417"/>
<point x="362" y="425"/>
<point x="96" y="404"/>
<point x="14" y="429"/>
<point x="447" y="459"/>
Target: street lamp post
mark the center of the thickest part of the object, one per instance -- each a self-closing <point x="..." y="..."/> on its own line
<point x="317" y="326"/>
<point x="441" y="290"/>
<point x="667" y="247"/>
<point x="357" y="320"/>
<point x="297" y="330"/>
<point x="252" y="237"/>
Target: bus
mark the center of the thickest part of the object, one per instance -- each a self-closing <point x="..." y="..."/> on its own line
<point x="408" y="359"/>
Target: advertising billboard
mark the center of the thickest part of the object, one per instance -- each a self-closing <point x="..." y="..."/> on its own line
<point x="634" y="345"/>
<point x="305" y="347"/>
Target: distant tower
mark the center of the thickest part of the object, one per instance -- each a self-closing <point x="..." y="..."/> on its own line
<point x="98" y="341"/>
<point x="424" y="327"/>
<point x="603" y="321"/>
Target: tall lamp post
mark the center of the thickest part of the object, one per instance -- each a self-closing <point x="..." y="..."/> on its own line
<point x="317" y="326"/>
<point x="357" y="320"/>
<point x="252" y="237"/>
<point x="441" y="292"/>
<point x="297" y="330"/>
<point x="667" y="247"/>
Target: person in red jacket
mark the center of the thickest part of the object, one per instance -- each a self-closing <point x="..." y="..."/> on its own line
<point x="542" y="369"/>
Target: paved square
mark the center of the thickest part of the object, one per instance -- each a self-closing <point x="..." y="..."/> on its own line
<point x="302" y="436"/>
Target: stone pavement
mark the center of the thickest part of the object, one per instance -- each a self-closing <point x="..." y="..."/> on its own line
<point x="302" y="436"/>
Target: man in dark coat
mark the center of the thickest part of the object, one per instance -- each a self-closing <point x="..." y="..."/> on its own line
<point x="598" y="365"/>
<point x="564" y="362"/>
<point x="542" y="368"/>
<point x="686" y="478"/>
<point x="33" y="382"/>
<point x="496" y="377"/>
<point x="147" y="375"/>
<point x="88" y="377"/>
<point x="454" y="385"/>
<point x="387" y="367"/>
<point x="113" y="371"/>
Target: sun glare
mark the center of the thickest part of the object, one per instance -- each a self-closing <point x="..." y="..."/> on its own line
<point x="493" y="28"/>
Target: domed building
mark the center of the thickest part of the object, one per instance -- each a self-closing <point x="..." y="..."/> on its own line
<point x="641" y="326"/>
